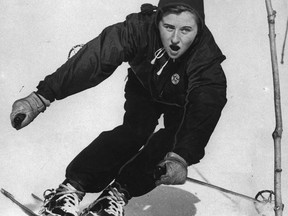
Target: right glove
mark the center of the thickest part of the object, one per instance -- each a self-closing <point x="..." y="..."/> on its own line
<point x="28" y="107"/>
<point x="176" y="170"/>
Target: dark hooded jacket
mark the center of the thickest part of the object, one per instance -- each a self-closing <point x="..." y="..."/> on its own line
<point x="200" y="86"/>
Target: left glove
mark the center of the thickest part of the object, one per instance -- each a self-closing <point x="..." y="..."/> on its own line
<point x="176" y="170"/>
<point x="29" y="107"/>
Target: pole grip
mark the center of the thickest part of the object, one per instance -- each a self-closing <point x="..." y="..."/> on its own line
<point x="159" y="171"/>
<point x="19" y="118"/>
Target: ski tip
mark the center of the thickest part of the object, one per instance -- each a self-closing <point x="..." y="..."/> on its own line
<point x="36" y="197"/>
<point x="6" y="193"/>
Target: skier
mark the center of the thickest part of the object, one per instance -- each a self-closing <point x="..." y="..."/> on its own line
<point x="174" y="70"/>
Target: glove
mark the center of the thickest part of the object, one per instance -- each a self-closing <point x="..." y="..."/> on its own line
<point x="176" y="170"/>
<point x="28" y="108"/>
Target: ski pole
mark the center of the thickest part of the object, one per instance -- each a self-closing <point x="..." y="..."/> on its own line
<point x="221" y="189"/>
<point x="159" y="171"/>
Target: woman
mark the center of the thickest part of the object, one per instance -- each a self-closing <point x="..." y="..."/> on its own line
<point x="174" y="70"/>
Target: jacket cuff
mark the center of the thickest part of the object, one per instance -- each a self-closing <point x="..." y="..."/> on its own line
<point x="172" y="156"/>
<point x="186" y="156"/>
<point x="44" y="90"/>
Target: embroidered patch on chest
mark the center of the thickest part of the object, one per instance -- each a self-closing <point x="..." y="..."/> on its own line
<point x="175" y="79"/>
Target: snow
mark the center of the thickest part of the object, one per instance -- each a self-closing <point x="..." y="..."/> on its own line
<point x="35" y="40"/>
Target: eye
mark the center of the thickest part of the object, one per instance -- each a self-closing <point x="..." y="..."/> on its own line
<point x="169" y="28"/>
<point x="186" y="30"/>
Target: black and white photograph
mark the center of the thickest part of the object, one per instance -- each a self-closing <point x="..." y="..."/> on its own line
<point x="143" y="108"/>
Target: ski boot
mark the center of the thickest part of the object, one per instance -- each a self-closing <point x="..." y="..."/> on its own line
<point x="63" y="201"/>
<point x="109" y="203"/>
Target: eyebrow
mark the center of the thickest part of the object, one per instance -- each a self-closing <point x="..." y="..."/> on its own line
<point x="170" y="25"/>
<point x="167" y="24"/>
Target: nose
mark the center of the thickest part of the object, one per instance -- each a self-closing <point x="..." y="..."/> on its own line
<point x="175" y="37"/>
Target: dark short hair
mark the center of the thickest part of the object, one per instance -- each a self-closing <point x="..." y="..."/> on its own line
<point x="177" y="9"/>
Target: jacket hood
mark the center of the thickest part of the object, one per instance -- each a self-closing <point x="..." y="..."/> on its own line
<point x="196" y="5"/>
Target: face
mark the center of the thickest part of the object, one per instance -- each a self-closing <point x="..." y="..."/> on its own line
<point x="177" y="32"/>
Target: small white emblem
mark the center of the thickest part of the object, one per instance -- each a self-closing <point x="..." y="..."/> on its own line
<point x="175" y="79"/>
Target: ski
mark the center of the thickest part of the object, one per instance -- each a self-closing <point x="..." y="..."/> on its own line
<point x="27" y="211"/>
<point x="37" y="198"/>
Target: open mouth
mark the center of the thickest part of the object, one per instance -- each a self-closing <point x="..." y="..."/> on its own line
<point x="174" y="47"/>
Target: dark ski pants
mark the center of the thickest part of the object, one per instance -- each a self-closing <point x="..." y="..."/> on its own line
<point x="115" y="155"/>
